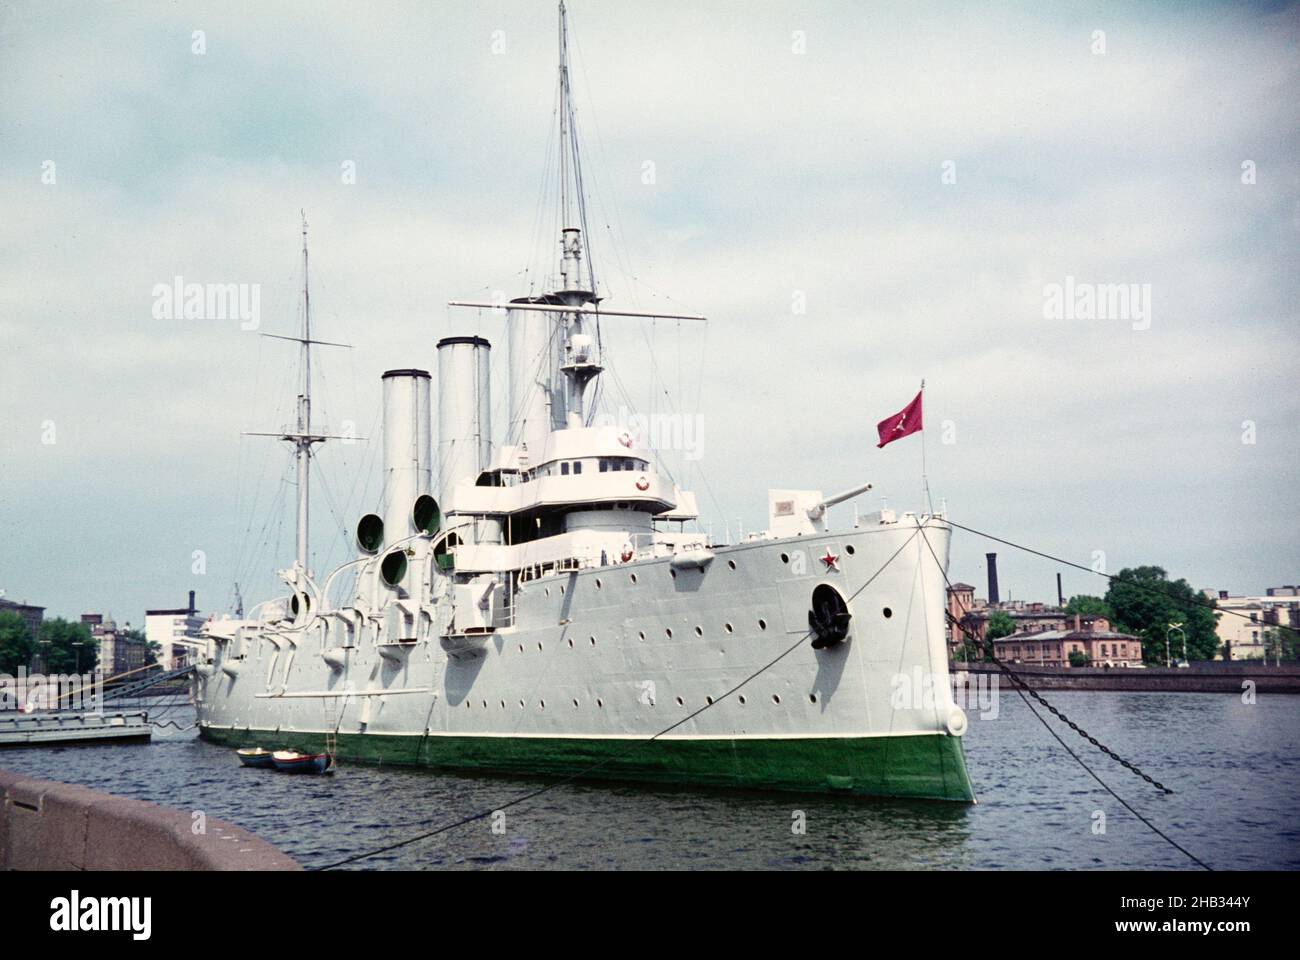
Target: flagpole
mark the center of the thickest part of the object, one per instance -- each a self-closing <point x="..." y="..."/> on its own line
<point x="925" y="480"/>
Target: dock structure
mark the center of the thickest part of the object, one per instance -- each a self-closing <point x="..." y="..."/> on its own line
<point x="46" y="825"/>
<point x="61" y="728"/>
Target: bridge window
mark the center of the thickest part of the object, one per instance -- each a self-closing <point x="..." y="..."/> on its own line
<point x="577" y="466"/>
<point x="604" y="466"/>
<point x="564" y="469"/>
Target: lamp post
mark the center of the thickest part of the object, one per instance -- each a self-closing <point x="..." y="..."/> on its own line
<point x="78" y="644"/>
<point x="1168" y="643"/>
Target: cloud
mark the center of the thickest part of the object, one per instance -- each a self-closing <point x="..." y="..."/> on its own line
<point x="778" y="176"/>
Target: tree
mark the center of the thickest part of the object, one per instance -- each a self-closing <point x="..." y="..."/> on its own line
<point x="999" y="625"/>
<point x="16" y="643"/>
<point x="151" y="647"/>
<point x="67" y="648"/>
<point x="1146" y="603"/>
<point x="1087" y="606"/>
<point x="968" y="652"/>
<point x="1079" y="659"/>
<point x="1279" y="642"/>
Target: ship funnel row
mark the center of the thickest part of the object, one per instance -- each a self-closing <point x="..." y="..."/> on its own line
<point x="464" y="411"/>
<point x="464" y="449"/>
<point x="408" y="455"/>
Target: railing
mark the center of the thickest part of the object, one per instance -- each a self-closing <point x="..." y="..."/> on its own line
<point x="538" y="571"/>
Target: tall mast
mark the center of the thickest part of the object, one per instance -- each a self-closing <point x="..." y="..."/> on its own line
<point x="578" y="359"/>
<point x="575" y="288"/>
<point x="304" y="440"/>
<point x="565" y="220"/>
<point x="301" y="437"/>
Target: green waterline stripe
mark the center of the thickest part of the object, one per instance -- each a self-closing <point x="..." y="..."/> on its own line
<point x="920" y="766"/>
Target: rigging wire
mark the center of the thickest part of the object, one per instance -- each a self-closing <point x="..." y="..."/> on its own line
<point x="1021" y="687"/>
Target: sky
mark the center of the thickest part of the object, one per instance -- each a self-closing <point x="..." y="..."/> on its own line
<point x="858" y="196"/>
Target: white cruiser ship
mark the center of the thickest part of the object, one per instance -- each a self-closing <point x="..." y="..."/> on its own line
<point x="548" y="604"/>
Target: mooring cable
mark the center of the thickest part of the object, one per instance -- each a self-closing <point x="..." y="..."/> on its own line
<point x="1204" y="603"/>
<point x="618" y="756"/>
<point x="1021" y="687"/>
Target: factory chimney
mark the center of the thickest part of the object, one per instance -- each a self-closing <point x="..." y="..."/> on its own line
<point x="1060" y="595"/>
<point x="993" y="577"/>
<point x="191" y="603"/>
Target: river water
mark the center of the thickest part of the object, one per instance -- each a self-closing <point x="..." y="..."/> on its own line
<point x="1234" y="767"/>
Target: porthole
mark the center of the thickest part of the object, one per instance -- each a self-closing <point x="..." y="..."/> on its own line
<point x="541" y="704"/>
<point x="762" y="624"/>
<point x="539" y="646"/>
<point x="598" y="583"/>
<point x="503" y="704"/>
<point x="785" y="558"/>
<point x="775" y="698"/>
<point x="546" y="591"/>
<point x="571" y="643"/>
<point x="728" y="627"/>
<point x="812" y="698"/>
<point x="467" y="704"/>
<point x="679" y="702"/>
<point x="641" y="634"/>
<point x="731" y="564"/>
<point x="673" y="574"/>
<point x="709" y="701"/>
<point x="848" y="548"/>
<point x="600" y="703"/>
<point x="561" y="589"/>
<point x="699" y="631"/>
<point x="888" y="613"/>
<point x="741" y="698"/>
<point x="593" y="641"/>
<point x="669" y="631"/>
<point x="521" y="648"/>
<point x="484" y="704"/>
<point x="633" y="576"/>
<point x="521" y="704"/>
<point x="575" y="704"/>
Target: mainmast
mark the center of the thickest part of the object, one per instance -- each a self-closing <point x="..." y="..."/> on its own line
<point x="554" y="336"/>
<point x="578" y="360"/>
<point x="572" y="287"/>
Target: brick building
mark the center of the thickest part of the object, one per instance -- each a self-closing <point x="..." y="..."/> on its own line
<point x="1051" y="647"/>
<point x="32" y="615"/>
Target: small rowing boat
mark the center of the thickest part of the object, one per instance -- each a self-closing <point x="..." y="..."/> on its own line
<point x="255" y="757"/>
<point x="291" y="761"/>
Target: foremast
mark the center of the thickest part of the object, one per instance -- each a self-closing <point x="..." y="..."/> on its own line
<point x="302" y="438"/>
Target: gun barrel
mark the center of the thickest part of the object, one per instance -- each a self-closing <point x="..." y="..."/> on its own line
<point x="820" y="508"/>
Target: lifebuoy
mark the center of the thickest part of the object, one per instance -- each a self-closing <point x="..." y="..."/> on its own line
<point x="643" y="484"/>
<point x="625" y="438"/>
<point x="627" y="552"/>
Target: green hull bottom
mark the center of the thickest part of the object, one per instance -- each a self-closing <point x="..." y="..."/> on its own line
<point x="930" y="766"/>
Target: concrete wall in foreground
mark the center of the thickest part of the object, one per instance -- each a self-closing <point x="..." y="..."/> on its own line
<point x="58" y="826"/>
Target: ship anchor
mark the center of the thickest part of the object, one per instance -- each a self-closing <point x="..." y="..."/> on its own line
<point x="829" y="617"/>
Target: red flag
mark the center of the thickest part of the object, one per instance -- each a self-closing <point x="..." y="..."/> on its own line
<point x="906" y="421"/>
